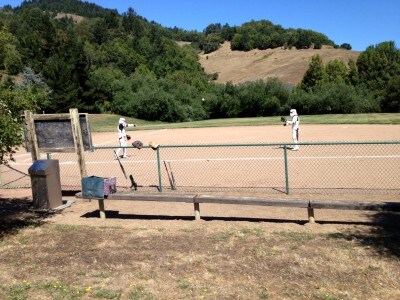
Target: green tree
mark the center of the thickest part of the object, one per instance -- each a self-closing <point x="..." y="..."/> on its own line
<point x="336" y="71"/>
<point x="353" y="76"/>
<point x="6" y="38"/>
<point x="12" y="106"/>
<point x="212" y="42"/>
<point x="334" y="97"/>
<point x="36" y="84"/>
<point x="377" y="65"/>
<point x="346" y="46"/>
<point x="37" y="36"/>
<point x="102" y="85"/>
<point x="391" y="100"/>
<point x="13" y="60"/>
<point x="315" y="73"/>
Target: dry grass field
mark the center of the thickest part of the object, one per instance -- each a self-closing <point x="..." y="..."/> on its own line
<point x="287" y="65"/>
<point x="150" y="250"/>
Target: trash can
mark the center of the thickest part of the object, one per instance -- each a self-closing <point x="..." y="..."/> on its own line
<point x="46" y="184"/>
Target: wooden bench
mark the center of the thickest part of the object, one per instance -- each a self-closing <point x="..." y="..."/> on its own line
<point x="196" y="199"/>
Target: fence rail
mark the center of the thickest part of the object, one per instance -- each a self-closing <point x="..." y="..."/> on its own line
<point x="317" y="168"/>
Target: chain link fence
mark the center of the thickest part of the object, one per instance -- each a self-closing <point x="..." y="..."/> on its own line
<point x="317" y="168"/>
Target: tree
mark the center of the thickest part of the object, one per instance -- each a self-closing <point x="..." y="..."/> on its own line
<point x="336" y="71"/>
<point x="391" y="101"/>
<point x="13" y="60"/>
<point x="35" y="83"/>
<point x="345" y="46"/>
<point x="315" y="73"/>
<point x="211" y="43"/>
<point x="7" y="44"/>
<point x="377" y="65"/>
<point x="353" y="77"/>
<point x="37" y="36"/>
<point x="13" y="102"/>
<point x="213" y="28"/>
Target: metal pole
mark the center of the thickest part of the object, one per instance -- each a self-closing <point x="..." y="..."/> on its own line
<point x="159" y="170"/>
<point x="286" y="168"/>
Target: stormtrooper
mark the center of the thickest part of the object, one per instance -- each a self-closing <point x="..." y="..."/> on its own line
<point x="123" y="137"/>
<point x="295" y="128"/>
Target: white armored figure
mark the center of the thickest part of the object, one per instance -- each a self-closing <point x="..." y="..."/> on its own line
<point x="122" y="136"/>
<point x="295" y="127"/>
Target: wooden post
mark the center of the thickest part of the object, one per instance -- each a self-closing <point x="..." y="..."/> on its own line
<point x="197" y="211"/>
<point x="311" y="217"/>
<point x="77" y="134"/>
<point x="78" y="142"/>
<point x="102" y="209"/>
<point x="32" y="139"/>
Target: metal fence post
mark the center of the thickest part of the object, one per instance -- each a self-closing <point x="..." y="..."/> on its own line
<point x="286" y="168"/>
<point x="159" y="170"/>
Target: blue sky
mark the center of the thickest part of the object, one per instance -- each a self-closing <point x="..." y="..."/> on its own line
<point x="360" y="23"/>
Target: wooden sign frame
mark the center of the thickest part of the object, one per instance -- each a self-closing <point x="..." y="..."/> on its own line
<point x="59" y="133"/>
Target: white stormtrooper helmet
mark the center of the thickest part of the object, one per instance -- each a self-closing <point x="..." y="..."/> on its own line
<point x="293" y="112"/>
<point x="121" y="120"/>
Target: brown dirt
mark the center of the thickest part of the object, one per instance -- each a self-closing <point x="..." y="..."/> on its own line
<point x="287" y="65"/>
<point x="150" y="250"/>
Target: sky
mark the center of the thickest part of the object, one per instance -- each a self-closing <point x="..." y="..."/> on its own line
<point x="360" y="23"/>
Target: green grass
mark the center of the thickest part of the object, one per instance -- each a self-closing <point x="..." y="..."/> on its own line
<point x="107" y="294"/>
<point x="105" y="123"/>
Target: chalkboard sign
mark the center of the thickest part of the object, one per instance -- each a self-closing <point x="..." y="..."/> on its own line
<point x="57" y="133"/>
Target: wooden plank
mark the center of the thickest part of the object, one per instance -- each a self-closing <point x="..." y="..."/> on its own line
<point x="78" y="140"/>
<point x="311" y="216"/>
<point x="135" y="196"/>
<point x="355" y="205"/>
<point x="58" y="150"/>
<point x="257" y="201"/>
<point x="197" y="211"/>
<point x="102" y="209"/>
<point x="260" y="201"/>
<point x="31" y="135"/>
<point x="47" y="117"/>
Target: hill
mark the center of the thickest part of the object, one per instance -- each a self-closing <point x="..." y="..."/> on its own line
<point x="287" y="65"/>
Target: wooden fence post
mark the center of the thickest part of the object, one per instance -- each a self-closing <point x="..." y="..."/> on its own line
<point x="77" y="134"/>
<point x="31" y="132"/>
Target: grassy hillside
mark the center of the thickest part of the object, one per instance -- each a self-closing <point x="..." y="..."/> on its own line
<point x="287" y="65"/>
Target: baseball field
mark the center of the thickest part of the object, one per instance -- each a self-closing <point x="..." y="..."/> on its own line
<point x="150" y="250"/>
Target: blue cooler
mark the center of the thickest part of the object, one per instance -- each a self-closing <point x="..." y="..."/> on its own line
<point x="94" y="187"/>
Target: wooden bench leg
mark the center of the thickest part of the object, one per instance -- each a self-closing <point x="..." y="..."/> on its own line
<point x="311" y="217"/>
<point x="102" y="209"/>
<point x="197" y="211"/>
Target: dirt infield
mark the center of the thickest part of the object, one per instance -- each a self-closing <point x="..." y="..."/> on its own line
<point x="242" y="168"/>
<point x="257" y="134"/>
<point x="228" y="135"/>
<point x="154" y="250"/>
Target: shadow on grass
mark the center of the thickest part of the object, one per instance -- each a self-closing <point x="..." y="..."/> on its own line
<point x="385" y="237"/>
<point x="18" y="213"/>
<point x="114" y="214"/>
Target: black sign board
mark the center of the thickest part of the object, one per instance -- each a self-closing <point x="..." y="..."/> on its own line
<point x="57" y="133"/>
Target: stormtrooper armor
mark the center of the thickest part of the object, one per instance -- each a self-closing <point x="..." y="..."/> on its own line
<point x="122" y="137"/>
<point x="295" y="128"/>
